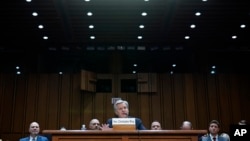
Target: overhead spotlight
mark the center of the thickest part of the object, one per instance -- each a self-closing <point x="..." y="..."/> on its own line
<point x="35" y="14"/>
<point x="234" y="37"/>
<point x="187" y="37"/>
<point x="45" y="37"/>
<point x="135" y="65"/>
<point x="133" y="72"/>
<point x="141" y="26"/>
<point x="28" y="0"/>
<point x="213" y="67"/>
<point x="144" y="14"/>
<point x="91" y="26"/>
<point x="171" y="72"/>
<point x="212" y="72"/>
<point x="40" y="26"/>
<point x="17" y="67"/>
<point x="192" y="26"/>
<point x="174" y="65"/>
<point x="92" y="37"/>
<point x="243" y="26"/>
<point x="197" y="13"/>
<point x="89" y="13"/>
<point x="18" y="72"/>
<point x="139" y="37"/>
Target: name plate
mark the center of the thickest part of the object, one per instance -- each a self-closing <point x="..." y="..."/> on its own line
<point x="123" y="123"/>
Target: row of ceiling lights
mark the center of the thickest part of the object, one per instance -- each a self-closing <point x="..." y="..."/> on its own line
<point x="92" y="37"/>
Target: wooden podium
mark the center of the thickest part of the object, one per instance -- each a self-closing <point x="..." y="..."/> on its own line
<point x="139" y="135"/>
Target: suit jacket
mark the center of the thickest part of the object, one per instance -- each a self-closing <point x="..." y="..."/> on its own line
<point x="138" y="124"/>
<point x="39" y="138"/>
<point x="207" y="138"/>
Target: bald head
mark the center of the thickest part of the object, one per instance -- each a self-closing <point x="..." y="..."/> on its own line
<point x="186" y="125"/>
<point x="94" y="124"/>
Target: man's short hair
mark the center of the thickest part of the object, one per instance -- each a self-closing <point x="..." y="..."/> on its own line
<point x="215" y="122"/>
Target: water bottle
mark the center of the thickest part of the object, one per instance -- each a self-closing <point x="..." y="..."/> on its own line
<point x="83" y="127"/>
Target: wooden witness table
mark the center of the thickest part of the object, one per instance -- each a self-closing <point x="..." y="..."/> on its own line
<point x="140" y="135"/>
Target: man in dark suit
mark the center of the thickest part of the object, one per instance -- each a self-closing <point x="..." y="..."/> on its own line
<point x="34" y="130"/>
<point x="121" y="110"/>
<point x="213" y="135"/>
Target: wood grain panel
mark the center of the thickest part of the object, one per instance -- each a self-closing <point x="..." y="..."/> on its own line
<point x="167" y="95"/>
<point x="178" y="100"/>
<point x="201" y="101"/>
<point x="224" y="105"/>
<point x="8" y="104"/>
<point x="31" y="101"/>
<point x="53" y="100"/>
<point x="2" y="85"/>
<point x="19" y="104"/>
<point x="213" y="98"/>
<point x="53" y="107"/>
<point x="42" y="102"/>
<point x="235" y="98"/>
<point x="75" y="103"/>
<point x="64" y="101"/>
<point x="189" y="100"/>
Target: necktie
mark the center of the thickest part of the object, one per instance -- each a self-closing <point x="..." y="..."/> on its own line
<point x="214" y="139"/>
<point x="33" y="139"/>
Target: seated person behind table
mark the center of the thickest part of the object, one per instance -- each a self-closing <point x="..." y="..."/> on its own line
<point x="94" y="124"/>
<point x="156" y="125"/>
<point x="34" y="130"/>
<point x="186" y="125"/>
<point x="121" y="110"/>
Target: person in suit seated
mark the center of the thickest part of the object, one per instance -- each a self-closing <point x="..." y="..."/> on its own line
<point x="226" y="136"/>
<point x="34" y="130"/>
<point x="213" y="132"/>
<point x="242" y="122"/>
<point x="94" y="124"/>
<point x="156" y="125"/>
<point x="186" y="125"/>
<point x="121" y="109"/>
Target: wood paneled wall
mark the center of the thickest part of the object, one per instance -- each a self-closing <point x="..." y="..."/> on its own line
<point x="56" y="100"/>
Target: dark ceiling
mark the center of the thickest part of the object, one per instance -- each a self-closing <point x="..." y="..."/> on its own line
<point x="116" y="28"/>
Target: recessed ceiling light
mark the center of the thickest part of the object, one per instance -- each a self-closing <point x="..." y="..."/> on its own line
<point x="92" y="37"/>
<point x="35" y="14"/>
<point x="139" y="37"/>
<point x="40" y="26"/>
<point x="28" y="0"/>
<point x="141" y="26"/>
<point x="234" y="37"/>
<point x="197" y="13"/>
<point x="187" y="37"/>
<point x="89" y="13"/>
<point x="144" y="14"/>
<point x="243" y="26"/>
<point x="192" y="26"/>
<point x="87" y="0"/>
<point x="91" y="26"/>
<point x="45" y="37"/>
